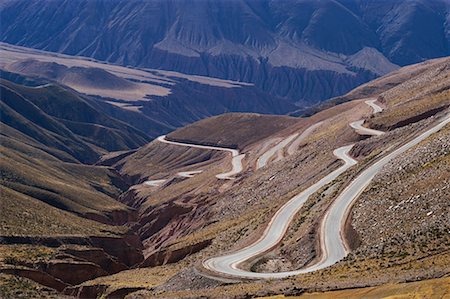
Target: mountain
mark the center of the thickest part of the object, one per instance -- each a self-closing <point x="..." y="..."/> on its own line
<point x="184" y="149"/>
<point x="81" y="132"/>
<point x="186" y="220"/>
<point x="60" y="212"/>
<point x="153" y="101"/>
<point x="52" y="194"/>
<point x="301" y="50"/>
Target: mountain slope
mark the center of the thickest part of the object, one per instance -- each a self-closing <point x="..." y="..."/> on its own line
<point x="44" y="144"/>
<point x="300" y="50"/>
<point x="74" y="129"/>
<point x="61" y="214"/>
<point x="188" y="220"/>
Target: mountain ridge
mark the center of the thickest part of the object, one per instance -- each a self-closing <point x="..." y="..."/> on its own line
<point x="265" y="42"/>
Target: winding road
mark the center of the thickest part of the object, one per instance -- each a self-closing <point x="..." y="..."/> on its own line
<point x="375" y="107"/>
<point x="358" y="125"/>
<point x="332" y="241"/>
<point x="264" y="158"/>
<point x="189" y="174"/>
<point x="236" y="158"/>
<point x="294" y="140"/>
<point x="276" y="229"/>
<point x="294" y="145"/>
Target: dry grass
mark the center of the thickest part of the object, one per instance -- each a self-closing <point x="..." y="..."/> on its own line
<point x="233" y="229"/>
<point x="432" y="288"/>
<point x="136" y="278"/>
<point x="31" y="174"/>
<point x="406" y="112"/>
<point x="236" y="130"/>
<point x="22" y="215"/>
<point x="18" y="255"/>
<point x="18" y="287"/>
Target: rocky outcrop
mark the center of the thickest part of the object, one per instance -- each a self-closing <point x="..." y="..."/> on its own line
<point x="97" y="290"/>
<point x="112" y="158"/>
<point x="97" y="256"/>
<point x="132" y="198"/>
<point x="73" y="272"/>
<point x="168" y="256"/>
<point x="115" y="217"/>
<point x="86" y="292"/>
<point x="78" y="259"/>
<point x="127" y="250"/>
<point x="37" y="276"/>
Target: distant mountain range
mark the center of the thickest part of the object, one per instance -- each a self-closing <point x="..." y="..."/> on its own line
<point x="302" y="50"/>
<point x="154" y="102"/>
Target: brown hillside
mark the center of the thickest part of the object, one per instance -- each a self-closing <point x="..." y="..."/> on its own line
<point x="234" y="130"/>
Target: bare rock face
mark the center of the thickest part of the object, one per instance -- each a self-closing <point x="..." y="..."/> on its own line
<point x="40" y="277"/>
<point x="77" y="259"/>
<point x="86" y="291"/>
<point x="98" y="257"/>
<point x="168" y="256"/>
<point x="127" y="250"/>
<point x="73" y="272"/>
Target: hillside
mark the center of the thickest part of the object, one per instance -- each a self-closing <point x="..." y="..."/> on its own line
<point x="233" y="130"/>
<point x="305" y="51"/>
<point x="46" y="147"/>
<point x="188" y="220"/>
<point x="42" y="114"/>
<point x="138" y="182"/>
<point x="58" y="211"/>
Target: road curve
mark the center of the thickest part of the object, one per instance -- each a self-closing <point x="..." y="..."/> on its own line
<point x="333" y="244"/>
<point x="188" y="174"/>
<point x="276" y="229"/>
<point x="183" y="174"/>
<point x="374" y="106"/>
<point x="294" y="145"/>
<point x="264" y="158"/>
<point x="236" y="157"/>
<point x="155" y="183"/>
<point x="332" y="240"/>
<point x="358" y="125"/>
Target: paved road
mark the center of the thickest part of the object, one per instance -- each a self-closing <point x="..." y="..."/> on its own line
<point x="155" y="183"/>
<point x="358" y="125"/>
<point x="296" y="139"/>
<point x="276" y="229"/>
<point x="188" y="174"/>
<point x="183" y="174"/>
<point x="294" y="145"/>
<point x="236" y="157"/>
<point x="374" y="106"/>
<point x="265" y="158"/>
<point x="332" y="242"/>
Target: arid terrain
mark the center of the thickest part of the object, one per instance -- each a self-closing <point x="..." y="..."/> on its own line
<point x="95" y="209"/>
